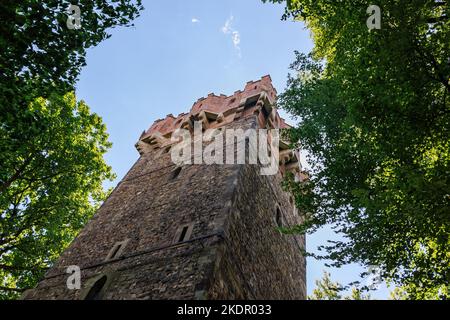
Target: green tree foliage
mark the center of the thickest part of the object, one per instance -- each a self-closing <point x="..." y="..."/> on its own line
<point x="326" y="289"/>
<point x="51" y="146"/>
<point x="49" y="187"/>
<point x="40" y="54"/>
<point x="409" y="292"/>
<point x="373" y="111"/>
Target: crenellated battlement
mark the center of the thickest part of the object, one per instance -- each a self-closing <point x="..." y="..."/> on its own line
<point x="214" y="105"/>
<point x="258" y="99"/>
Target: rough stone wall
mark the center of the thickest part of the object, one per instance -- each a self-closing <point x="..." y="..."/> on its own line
<point x="257" y="261"/>
<point x="148" y="208"/>
<point x="234" y="251"/>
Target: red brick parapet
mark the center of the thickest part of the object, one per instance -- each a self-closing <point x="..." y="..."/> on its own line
<point x="216" y="105"/>
<point x="257" y="99"/>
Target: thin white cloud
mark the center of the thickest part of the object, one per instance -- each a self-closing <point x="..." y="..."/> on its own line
<point x="236" y="38"/>
<point x="235" y="35"/>
<point x="195" y="20"/>
<point x="226" y="29"/>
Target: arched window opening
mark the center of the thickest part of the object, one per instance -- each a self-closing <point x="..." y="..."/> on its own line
<point x="95" y="293"/>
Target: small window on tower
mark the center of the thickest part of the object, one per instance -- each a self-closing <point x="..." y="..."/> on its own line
<point x="117" y="250"/>
<point x="279" y="218"/>
<point x="95" y="293"/>
<point x="175" y="173"/>
<point x="183" y="233"/>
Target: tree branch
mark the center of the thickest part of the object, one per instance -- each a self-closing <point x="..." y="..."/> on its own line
<point x="5" y="185"/>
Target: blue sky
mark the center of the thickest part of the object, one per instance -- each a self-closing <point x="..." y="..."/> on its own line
<point x="180" y="51"/>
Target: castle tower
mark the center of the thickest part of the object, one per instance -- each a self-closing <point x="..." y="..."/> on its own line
<point x="192" y="231"/>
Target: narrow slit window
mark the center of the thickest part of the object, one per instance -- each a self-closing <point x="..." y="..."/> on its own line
<point x="117" y="250"/>
<point x="175" y="173"/>
<point x="279" y="218"/>
<point x="183" y="234"/>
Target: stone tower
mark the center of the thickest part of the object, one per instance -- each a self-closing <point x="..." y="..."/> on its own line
<point x="195" y="231"/>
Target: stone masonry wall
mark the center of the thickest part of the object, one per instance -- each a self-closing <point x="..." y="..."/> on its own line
<point x="256" y="261"/>
<point x="147" y="208"/>
<point x="234" y="252"/>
